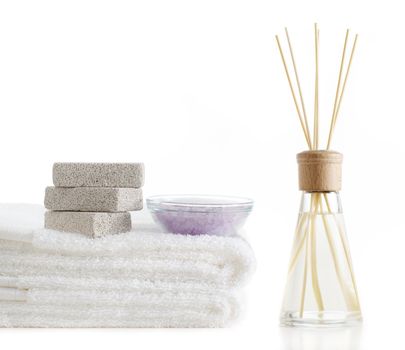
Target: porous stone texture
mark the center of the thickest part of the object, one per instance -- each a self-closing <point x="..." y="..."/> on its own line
<point x="88" y="223"/>
<point x="102" y="199"/>
<point x="98" y="175"/>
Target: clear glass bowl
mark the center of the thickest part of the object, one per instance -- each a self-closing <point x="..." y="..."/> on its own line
<point x="200" y="214"/>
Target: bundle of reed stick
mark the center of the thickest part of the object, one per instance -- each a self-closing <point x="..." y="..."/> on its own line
<point x="306" y="233"/>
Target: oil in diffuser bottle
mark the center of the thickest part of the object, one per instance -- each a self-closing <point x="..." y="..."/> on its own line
<point x="321" y="287"/>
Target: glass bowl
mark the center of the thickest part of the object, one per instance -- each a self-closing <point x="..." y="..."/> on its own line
<point x="200" y="214"/>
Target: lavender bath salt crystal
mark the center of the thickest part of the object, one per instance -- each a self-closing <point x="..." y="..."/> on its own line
<point x="197" y="215"/>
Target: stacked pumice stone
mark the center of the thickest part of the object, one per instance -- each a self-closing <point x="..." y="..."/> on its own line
<point x="94" y="198"/>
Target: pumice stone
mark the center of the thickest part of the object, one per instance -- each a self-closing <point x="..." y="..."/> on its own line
<point x="98" y="174"/>
<point x="101" y="199"/>
<point x="91" y="224"/>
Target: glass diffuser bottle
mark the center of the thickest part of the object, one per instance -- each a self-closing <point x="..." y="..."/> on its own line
<point x="321" y="287"/>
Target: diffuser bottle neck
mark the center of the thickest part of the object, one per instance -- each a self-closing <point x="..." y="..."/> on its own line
<point x="326" y="202"/>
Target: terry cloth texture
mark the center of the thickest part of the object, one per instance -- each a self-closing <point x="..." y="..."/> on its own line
<point x="143" y="278"/>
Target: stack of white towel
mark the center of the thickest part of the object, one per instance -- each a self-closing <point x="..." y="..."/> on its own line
<point x="143" y="278"/>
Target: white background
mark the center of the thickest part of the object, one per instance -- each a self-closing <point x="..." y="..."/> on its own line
<point x="196" y="90"/>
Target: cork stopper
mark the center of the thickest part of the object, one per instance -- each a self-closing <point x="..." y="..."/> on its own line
<point x="320" y="171"/>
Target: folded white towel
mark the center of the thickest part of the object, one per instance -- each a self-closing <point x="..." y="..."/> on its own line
<point x="185" y="281"/>
<point x="105" y="284"/>
<point x="72" y="307"/>
<point x="17" y="314"/>
<point x="144" y="253"/>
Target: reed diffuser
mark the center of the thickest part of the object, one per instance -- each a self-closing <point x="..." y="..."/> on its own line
<point x="321" y="287"/>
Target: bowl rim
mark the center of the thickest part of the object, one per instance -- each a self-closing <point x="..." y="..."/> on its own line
<point x="166" y="202"/>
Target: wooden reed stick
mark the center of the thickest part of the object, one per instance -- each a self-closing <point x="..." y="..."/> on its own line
<point x="345" y="249"/>
<point x="304" y="279"/>
<point x="351" y="305"/>
<point x="299" y="244"/>
<point x="298" y="241"/>
<point x="338" y="88"/>
<point x="346" y="76"/>
<point x="293" y="93"/>
<point x="316" y="104"/>
<point x="314" y="268"/>
<point x="300" y="224"/>
<point x="343" y="90"/>
<point x="298" y="84"/>
<point x="356" y="304"/>
<point x="306" y="256"/>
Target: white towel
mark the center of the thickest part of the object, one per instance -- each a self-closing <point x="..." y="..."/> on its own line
<point x="14" y="314"/>
<point x="197" y="277"/>
<point x="122" y="284"/>
<point x="144" y="253"/>
<point x="217" y="309"/>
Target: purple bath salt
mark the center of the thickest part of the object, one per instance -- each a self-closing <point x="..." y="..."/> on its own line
<point x="197" y="215"/>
